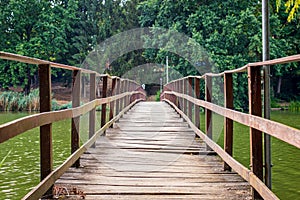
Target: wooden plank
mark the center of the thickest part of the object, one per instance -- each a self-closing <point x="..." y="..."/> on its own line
<point x="249" y="176"/>
<point x="133" y="163"/>
<point x="228" y="123"/>
<point x="46" y="147"/>
<point x="44" y="185"/>
<point x="154" y="196"/>
<point x="255" y="108"/>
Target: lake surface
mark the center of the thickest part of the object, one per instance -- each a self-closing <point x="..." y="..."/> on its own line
<point x="20" y="170"/>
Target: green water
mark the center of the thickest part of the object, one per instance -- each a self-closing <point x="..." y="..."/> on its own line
<point x="285" y="158"/>
<point x="20" y="171"/>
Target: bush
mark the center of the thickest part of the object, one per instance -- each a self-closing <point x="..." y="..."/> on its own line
<point x="294" y="106"/>
<point x="157" y="96"/>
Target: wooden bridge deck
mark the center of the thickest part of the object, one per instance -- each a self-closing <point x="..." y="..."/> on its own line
<point x="151" y="153"/>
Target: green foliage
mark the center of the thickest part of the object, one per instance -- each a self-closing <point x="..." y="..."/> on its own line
<point x="275" y="103"/>
<point x="157" y="96"/>
<point x="294" y="106"/>
<point x="230" y="31"/>
<point x="16" y="101"/>
<point x="291" y="6"/>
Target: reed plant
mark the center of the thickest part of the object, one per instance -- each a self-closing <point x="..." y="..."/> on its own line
<point x="294" y="106"/>
<point x="16" y="101"/>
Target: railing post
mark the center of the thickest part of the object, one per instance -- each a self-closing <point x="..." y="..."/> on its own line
<point x="92" y="114"/>
<point x="208" y="113"/>
<point x="103" y="106"/>
<point x="176" y="97"/>
<point x="126" y="85"/>
<point x="46" y="158"/>
<point x="122" y="86"/>
<point x="75" y="143"/>
<point x="228" y="123"/>
<point x="255" y="108"/>
<point x="190" y="93"/>
<point x="184" y="83"/>
<point x="118" y="83"/>
<point x="197" y="108"/>
<point x="180" y="90"/>
<point x="112" y="104"/>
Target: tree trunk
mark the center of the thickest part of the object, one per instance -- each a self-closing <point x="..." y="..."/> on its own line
<point x="279" y="85"/>
<point x="28" y="84"/>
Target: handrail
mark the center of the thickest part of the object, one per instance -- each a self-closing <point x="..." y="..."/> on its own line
<point x="124" y="93"/>
<point x="236" y="166"/>
<point x="46" y="183"/>
<point x="18" y="126"/>
<point x="283" y="132"/>
<point x="178" y="93"/>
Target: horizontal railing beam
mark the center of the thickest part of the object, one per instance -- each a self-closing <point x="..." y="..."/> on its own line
<point x="283" y="132"/>
<point x="45" y="184"/>
<point x="244" y="172"/>
<point x="18" y="126"/>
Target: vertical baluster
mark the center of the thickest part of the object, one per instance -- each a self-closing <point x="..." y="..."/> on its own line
<point x="208" y="113"/>
<point x="75" y="143"/>
<point x="118" y="83"/>
<point x="190" y="93"/>
<point x="92" y="114"/>
<point x="184" y="83"/>
<point x="104" y="94"/>
<point x="228" y="123"/>
<point x="255" y="108"/>
<point x="112" y="104"/>
<point x="197" y="108"/>
<point x="46" y="148"/>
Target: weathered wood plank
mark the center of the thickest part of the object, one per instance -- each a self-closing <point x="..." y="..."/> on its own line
<point x="144" y="161"/>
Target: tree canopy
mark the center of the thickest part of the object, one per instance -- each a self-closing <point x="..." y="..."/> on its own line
<point x="66" y="31"/>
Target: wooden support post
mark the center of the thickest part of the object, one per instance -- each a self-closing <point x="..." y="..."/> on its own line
<point x="92" y="114"/>
<point x="132" y="97"/>
<point x="255" y="108"/>
<point x="126" y="85"/>
<point x="184" y="83"/>
<point x="103" y="107"/>
<point x="177" y="98"/>
<point x="190" y="93"/>
<point x="180" y="90"/>
<point x="112" y="104"/>
<point x="46" y="149"/>
<point x="75" y="143"/>
<point x="118" y="83"/>
<point x="197" y="108"/>
<point x="228" y="123"/>
<point x="122" y="86"/>
<point x="208" y="113"/>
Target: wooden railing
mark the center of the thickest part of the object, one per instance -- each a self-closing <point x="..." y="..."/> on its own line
<point x="121" y="95"/>
<point x="179" y="93"/>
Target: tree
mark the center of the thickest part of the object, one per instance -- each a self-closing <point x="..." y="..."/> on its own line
<point x="30" y="28"/>
<point x="291" y="8"/>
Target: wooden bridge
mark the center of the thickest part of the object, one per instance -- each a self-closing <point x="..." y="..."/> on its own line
<point x="151" y="150"/>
